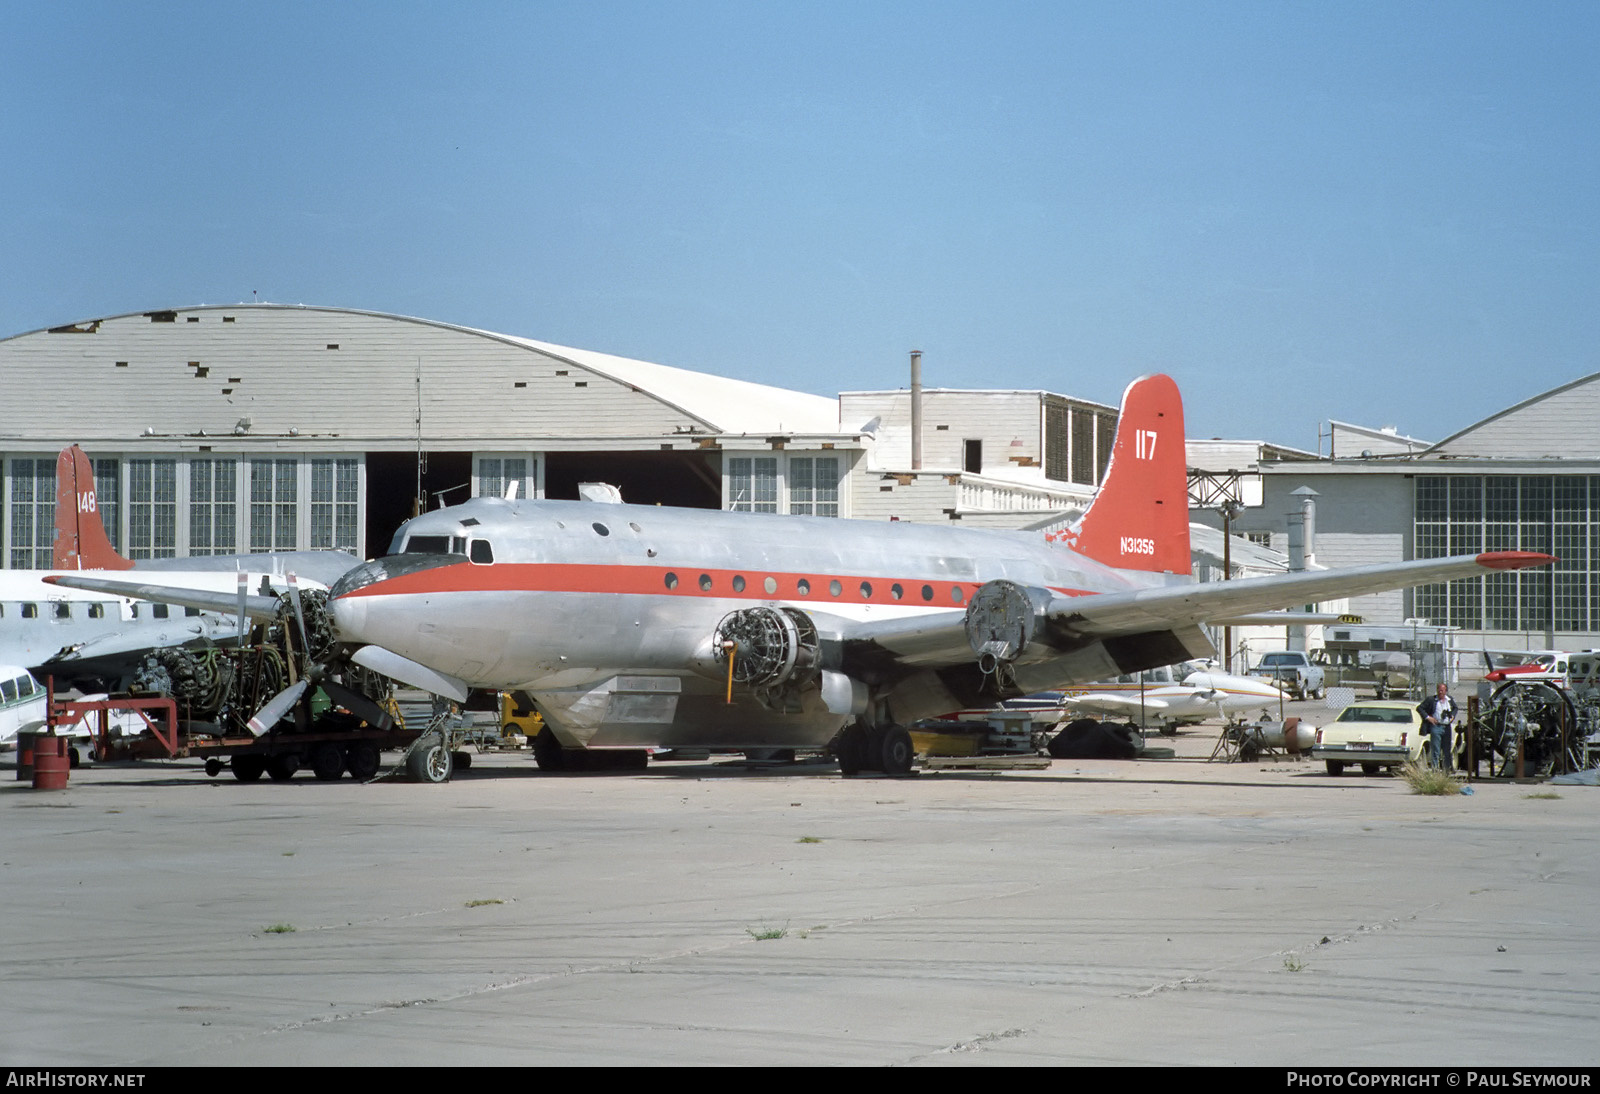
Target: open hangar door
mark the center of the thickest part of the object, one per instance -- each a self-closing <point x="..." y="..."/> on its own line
<point x="392" y="488"/>
<point x="690" y="480"/>
<point x="686" y="479"/>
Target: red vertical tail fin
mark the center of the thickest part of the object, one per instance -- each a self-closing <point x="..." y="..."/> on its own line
<point x="1140" y="518"/>
<point x="81" y="541"/>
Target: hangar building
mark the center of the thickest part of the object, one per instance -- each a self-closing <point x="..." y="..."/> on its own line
<point x="258" y="427"/>
<point x="1526" y="478"/>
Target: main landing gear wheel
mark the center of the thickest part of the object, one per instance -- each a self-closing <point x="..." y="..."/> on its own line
<point x="894" y="751"/>
<point x="886" y="749"/>
<point x="547" y="751"/>
<point x="429" y="763"/>
<point x="851" y="750"/>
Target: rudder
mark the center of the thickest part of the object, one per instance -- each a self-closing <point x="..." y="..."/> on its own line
<point x="81" y="541"/>
<point x="1140" y="518"/>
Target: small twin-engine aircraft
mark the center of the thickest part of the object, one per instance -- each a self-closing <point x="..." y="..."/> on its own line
<point x="1174" y="697"/>
<point x="635" y="626"/>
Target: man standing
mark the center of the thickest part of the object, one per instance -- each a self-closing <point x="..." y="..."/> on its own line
<point x="1438" y="714"/>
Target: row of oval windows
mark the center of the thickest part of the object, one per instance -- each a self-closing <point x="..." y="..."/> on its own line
<point x="803" y="587"/>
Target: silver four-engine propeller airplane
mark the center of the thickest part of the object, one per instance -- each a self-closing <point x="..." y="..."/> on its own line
<point x="635" y="626"/>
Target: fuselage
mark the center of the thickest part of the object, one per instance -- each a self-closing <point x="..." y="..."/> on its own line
<point x="78" y="635"/>
<point x="566" y="599"/>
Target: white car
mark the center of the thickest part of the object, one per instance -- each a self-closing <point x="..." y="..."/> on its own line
<point x="1375" y="734"/>
<point x="1293" y="671"/>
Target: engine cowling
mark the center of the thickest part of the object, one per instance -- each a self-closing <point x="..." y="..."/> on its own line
<point x="1002" y="619"/>
<point x="773" y="649"/>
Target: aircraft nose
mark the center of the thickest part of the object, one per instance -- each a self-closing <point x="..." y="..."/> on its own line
<point x="350" y="612"/>
<point x="349" y="618"/>
<point x="358" y="578"/>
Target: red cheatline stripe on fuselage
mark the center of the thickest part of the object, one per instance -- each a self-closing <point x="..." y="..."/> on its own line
<point x="566" y="577"/>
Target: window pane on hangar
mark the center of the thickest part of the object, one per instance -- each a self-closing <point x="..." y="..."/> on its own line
<point x="32" y="487"/>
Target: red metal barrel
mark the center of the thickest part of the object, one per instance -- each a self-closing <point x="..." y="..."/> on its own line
<point x="25" y="741"/>
<point x="50" y="763"/>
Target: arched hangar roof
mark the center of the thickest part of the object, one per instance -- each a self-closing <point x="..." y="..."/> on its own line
<point x="359" y="376"/>
<point x="1560" y="423"/>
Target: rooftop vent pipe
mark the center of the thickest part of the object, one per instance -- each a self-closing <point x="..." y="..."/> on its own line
<point x="916" y="410"/>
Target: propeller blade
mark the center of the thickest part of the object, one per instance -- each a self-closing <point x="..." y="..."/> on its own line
<point x="280" y="704"/>
<point x="358" y="704"/>
<point x="299" y="616"/>
<point x="244" y="620"/>
<point x="407" y="671"/>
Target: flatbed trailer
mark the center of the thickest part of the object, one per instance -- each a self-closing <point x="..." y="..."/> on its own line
<point x="347" y="744"/>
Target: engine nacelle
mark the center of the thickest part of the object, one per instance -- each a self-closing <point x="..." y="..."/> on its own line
<point x="1002" y="619"/>
<point x="773" y="649"/>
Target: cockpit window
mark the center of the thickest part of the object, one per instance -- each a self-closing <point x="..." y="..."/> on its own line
<point x="480" y="551"/>
<point x="428" y="545"/>
<point x="439" y="545"/>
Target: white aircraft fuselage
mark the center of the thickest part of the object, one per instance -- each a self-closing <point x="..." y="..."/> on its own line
<point x="605" y="614"/>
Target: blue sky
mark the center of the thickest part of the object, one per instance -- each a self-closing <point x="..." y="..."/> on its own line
<point x="1385" y="213"/>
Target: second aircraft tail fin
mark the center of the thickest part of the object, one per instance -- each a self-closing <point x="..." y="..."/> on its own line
<point x="81" y="540"/>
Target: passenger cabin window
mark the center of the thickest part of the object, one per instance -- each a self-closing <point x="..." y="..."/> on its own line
<point x="61" y="609"/>
<point x="158" y="610"/>
<point x="30" y="611"/>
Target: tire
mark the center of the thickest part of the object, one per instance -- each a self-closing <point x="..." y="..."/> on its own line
<point x="461" y="760"/>
<point x="547" y="751"/>
<point x="213" y="767"/>
<point x="362" y="760"/>
<point x="851" y="750"/>
<point x="1335" y="768"/>
<point x="247" y="767"/>
<point x="895" y="754"/>
<point x="281" y="768"/>
<point x="327" y="762"/>
<point x="429" y="763"/>
<point x="1371" y="769"/>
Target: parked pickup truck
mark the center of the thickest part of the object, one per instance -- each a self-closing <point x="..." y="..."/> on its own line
<point x="1292" y="671"/>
